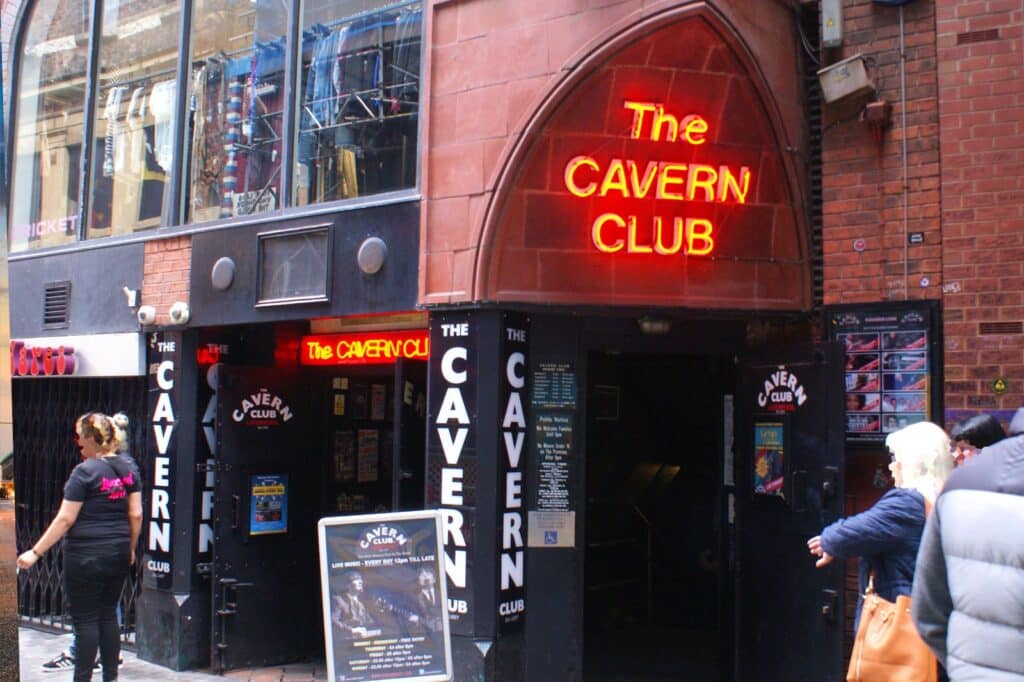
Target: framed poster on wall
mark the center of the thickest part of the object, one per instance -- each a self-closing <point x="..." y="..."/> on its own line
<point x="893" y="372"/>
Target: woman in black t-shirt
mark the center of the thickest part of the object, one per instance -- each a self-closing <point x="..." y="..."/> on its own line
<point x="101" y="517"/>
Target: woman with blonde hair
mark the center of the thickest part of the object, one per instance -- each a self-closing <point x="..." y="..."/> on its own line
<point x="886" y="536"/>
<point x="99" y="519"/>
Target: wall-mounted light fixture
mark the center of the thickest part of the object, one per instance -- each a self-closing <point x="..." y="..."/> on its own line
<point x="654" y="325"/>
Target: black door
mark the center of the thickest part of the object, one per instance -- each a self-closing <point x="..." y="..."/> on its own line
<point x="410" y="410"/>
<point x="265" y="580"/>
<point x="789" y="484"/>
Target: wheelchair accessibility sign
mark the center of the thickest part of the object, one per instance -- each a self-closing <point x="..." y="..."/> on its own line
<point x="550" y="529"/>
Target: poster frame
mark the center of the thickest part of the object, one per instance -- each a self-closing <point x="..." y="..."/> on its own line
<point x="930" y="311"/>
<point x="369" y="520"/>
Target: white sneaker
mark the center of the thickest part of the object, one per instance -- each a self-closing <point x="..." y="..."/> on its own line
<point x="61" y="662"/>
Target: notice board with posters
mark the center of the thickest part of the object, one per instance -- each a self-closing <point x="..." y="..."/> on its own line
<point x="384" y="597"/>
<point x="893" y="374"/>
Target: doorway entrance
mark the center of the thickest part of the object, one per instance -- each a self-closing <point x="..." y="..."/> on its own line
<point x="295" y="445"/>
<point x="658" y="597"/>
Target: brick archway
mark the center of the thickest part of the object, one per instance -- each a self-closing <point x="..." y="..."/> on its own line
<point x="538" y="240"/>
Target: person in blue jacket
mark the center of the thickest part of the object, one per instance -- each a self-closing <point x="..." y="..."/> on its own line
<point x="886" y="537"/>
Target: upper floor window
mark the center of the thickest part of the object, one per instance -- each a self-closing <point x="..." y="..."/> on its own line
<point x="47" y="145"/>
<point x="347" y="118"/>
<point x="237" y="100"/>
<point x="133" y="150"/>
<point x="360" y="100"/>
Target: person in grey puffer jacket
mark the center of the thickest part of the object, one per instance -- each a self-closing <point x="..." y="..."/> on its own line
<point x="968" y="593"/>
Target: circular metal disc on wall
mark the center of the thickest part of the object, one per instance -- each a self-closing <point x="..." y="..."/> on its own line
<point x="223" y="273"/>
<point x="372" y="253"/>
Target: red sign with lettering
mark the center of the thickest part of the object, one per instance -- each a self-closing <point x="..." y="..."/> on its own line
<point x="45" y="361"/>
<point x="663" y="177"/>
<point x="371" y="348"/>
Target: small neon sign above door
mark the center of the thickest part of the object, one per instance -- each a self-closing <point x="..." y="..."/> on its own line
<point x="371" y="348"/>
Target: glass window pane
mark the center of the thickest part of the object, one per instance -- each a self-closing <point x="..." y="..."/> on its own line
<point x="133" y="148"/>
<point x="237" y="100"/>
<point x="293" y="266"/>
<point x="48" y="131"/>
<point x="359" y="111"/>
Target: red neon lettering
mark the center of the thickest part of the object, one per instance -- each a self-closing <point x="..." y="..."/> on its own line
<point x="634" y="246"/>
<point x="570" y="176"/>
<point x="694" y="128"/>
<point x="677" y="237"/>
<point x="596" y="233"/>
<point x="42" y="360"/>
<point x="667" y="177"/>
<point x="615" y="179"/>
<point x="694" y="181"/>
<point x="638" y="109"/>
<point x="698" y="231"/>
<point x="368" y="348"/>
<point x="639" y="187"/>
<point x="728" y="184"/>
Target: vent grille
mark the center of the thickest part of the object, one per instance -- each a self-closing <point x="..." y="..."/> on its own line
<point x="989" y="328"/>
<point x="977" y="36"/>
<point x="56" y="305"/>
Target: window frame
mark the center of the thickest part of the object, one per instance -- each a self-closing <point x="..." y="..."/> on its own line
<point x="173" y="213"/>
<point x="263" y="237"/>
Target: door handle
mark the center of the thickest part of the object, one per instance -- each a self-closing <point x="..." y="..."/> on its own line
<point x="236" y="508"/>
<point x="829" y="605"/>
<point x="829" y="483"/>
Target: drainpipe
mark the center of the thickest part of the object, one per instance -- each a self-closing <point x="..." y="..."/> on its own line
<point x="906" y="179"/>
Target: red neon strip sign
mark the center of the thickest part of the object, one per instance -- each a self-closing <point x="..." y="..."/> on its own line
<point x="371" y="348"/>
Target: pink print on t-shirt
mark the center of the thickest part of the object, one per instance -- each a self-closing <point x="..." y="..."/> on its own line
<point x="115" y="486"/>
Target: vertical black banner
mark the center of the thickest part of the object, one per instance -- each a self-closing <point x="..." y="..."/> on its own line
<point x="163" y="385"/>
<point x="514" y="396"/>
<point x="452" y="453"/>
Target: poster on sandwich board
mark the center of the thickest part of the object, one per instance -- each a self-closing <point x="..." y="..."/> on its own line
<point x="384" y="597"/>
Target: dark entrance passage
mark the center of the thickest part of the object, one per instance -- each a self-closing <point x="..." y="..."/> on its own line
<point x="658" y="600"/>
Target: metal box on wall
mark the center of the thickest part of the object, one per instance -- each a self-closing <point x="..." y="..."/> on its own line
<point x="845" y="78"/>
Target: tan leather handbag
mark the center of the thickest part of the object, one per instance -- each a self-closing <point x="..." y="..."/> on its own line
<point x="887" y="647"/>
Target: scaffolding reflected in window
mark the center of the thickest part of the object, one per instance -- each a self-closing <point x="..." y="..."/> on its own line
<point x="236" y="104"/>
<point x="359" y="111"/>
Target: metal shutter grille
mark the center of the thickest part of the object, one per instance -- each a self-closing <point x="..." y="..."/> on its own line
<point x="56" y="305"/>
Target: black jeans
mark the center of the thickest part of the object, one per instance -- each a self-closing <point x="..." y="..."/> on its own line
<point x="92" y="582"/>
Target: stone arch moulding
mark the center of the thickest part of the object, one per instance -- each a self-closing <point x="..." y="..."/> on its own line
<point x="653" y="174"/>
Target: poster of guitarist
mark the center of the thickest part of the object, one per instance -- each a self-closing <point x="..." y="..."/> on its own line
<point x="348" y="612"/>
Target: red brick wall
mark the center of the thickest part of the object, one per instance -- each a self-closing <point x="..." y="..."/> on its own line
<point x="492" y="63"/>
<point x="966" y="185"/>
<point x="981" y="102"/>
<point x="863" y="175"/>
<point x="166" y="265"/>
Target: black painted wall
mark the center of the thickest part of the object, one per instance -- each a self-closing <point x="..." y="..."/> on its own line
<point x="97" y="275"/>
<point x="393" y="288"/>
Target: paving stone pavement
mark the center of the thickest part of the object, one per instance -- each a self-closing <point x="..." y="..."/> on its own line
<point x="37" y="647"/>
